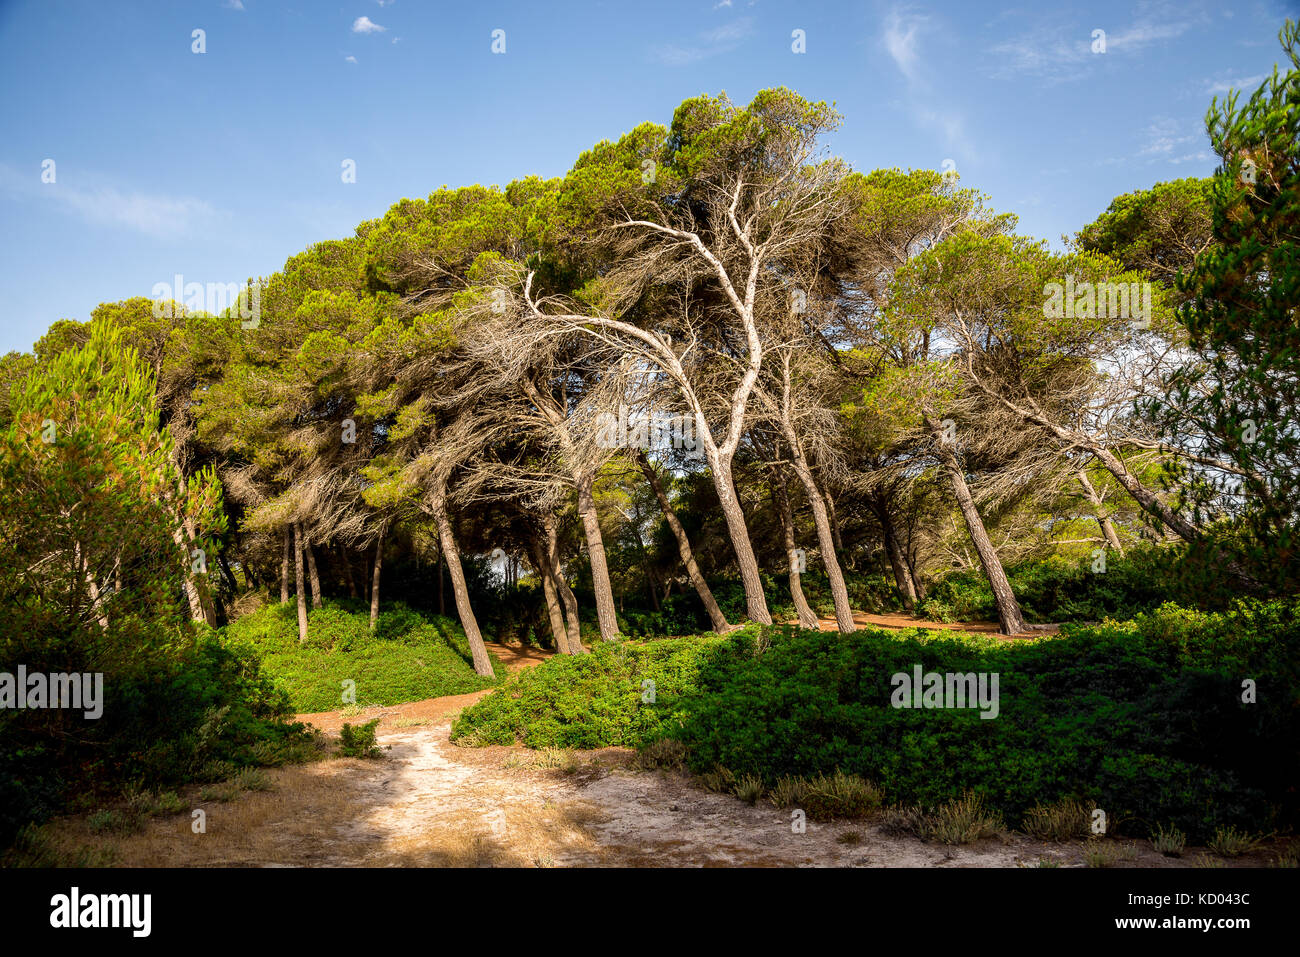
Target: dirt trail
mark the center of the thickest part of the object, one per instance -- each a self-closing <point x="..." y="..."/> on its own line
<point x="862" y="618"/>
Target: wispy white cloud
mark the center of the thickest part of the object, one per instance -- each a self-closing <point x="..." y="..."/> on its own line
<point x="1057" y="53"/>
<point x="900" y="35"/>
<point x="708" y="44"/>
<point x="150" y="213"/>
<point x="1245" y="83"/>
<point x="350" y="59"/>
<point x="366" y="25"/>
<point x="900" y="39"/>
<point x="234" y="4"/>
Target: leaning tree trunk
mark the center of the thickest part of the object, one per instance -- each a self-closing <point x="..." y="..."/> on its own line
<point x="1102" y="514"/>
<point x="897" y="561"/>
<point x="807" y="618"/>
<point x="300" y="583"/>
<point x="1009" y="614"/>
<point x="568" y="600"/>
<point x="447" y="540"/>
<point x="835" y="523"/>
<point x="313" y="574"/>
<point x="284" y="569"/>
<point x="600" y="583"/>
<point x="821" y="519"/>
<point x="554" y="614"/>
<point x="716" y="617"/>
<point x="738" y="532"/>
<point x="374" y="584"/>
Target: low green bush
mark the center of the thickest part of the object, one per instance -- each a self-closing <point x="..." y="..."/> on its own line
<point x="409" y="657"/>
<point x="1145" y="718"/>
<point x="622" y="693"/>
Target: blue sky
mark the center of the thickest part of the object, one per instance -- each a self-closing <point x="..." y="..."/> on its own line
<point x="221" y="165"/>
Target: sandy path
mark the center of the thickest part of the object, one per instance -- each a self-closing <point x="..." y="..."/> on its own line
<point x="861" y="618"/>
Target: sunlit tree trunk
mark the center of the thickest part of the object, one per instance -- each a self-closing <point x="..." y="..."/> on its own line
<point x="1009" y="614"/>
<point x="600" y="583"/>
<point x="447" y="539"/>
<point x="716" y="617"/>
<point x="300" y="583"/>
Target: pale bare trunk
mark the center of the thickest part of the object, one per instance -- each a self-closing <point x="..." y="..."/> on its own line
<point x="284" y="569"/>
<point x="596" y="555"/>
<point x="1102" y="514"/>
<point x="553" y="611"/>
<point x="568" y="600"/>
<point x="374" y="584"/>
<point x="299" y="583"/>
<point x="897" y="561"/>
<point x="313" y="574"/>
<point x="447" y="539"/>
<point x="755" y="600"/>
<point x="807" y="618"/>
<point x="716" y="617"/>
<point x="1009" y="614"/>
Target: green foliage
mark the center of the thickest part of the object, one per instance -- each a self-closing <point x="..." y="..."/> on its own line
<point x="409" y="657"/>
<point x="592" y="700"/>
<point x="1237" y="402"/>
<point x="359" y="742"/>
<point x="1145" y="718"/>
<point x="1061" y="590"/>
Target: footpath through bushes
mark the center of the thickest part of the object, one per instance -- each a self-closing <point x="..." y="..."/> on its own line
<point x="1177" y="717"/>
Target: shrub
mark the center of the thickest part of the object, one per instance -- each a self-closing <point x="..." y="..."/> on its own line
<point x="962" y="820"/>
<point x="588" y="701"/>
<point x="409" y="657"/>
<point x="1063" y="821"/>
<point x="839" y="795"/>
<point x="1230" y="842"/>
<point x="359" y="742"/>
<point x="748" y="788"/>
<point x="1143" y="718"/>
<point x="1169" y="843"/>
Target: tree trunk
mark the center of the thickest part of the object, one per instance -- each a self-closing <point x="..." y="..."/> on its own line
<point x="1099" y="509"/>
<point x="553" y="612"/>
<point x="568" y="600"/>
<point x="738" y="532"/>
<point x="835" y="522"/>
<point x="716" y="617"/>
<point x="447" y="540"/>
<point x="821" y="518"/>
<point x="313" y="574"/>
<point x="596" y="555"/>
<point x="227" y="574"/>
<point x="902" y="574"/>
<point x="374" y="584"/>
<point x="1009" y="614"/>
<point x="284" y="569"/>
<point x="807" y="618"/>
<point x="300" y="583"/>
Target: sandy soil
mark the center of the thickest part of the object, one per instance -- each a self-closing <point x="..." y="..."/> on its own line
<point x="428" y="802"/>
<point x="861" y="618"/>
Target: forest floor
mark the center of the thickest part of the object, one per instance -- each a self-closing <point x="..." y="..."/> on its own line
<point x="428" y="802"/>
